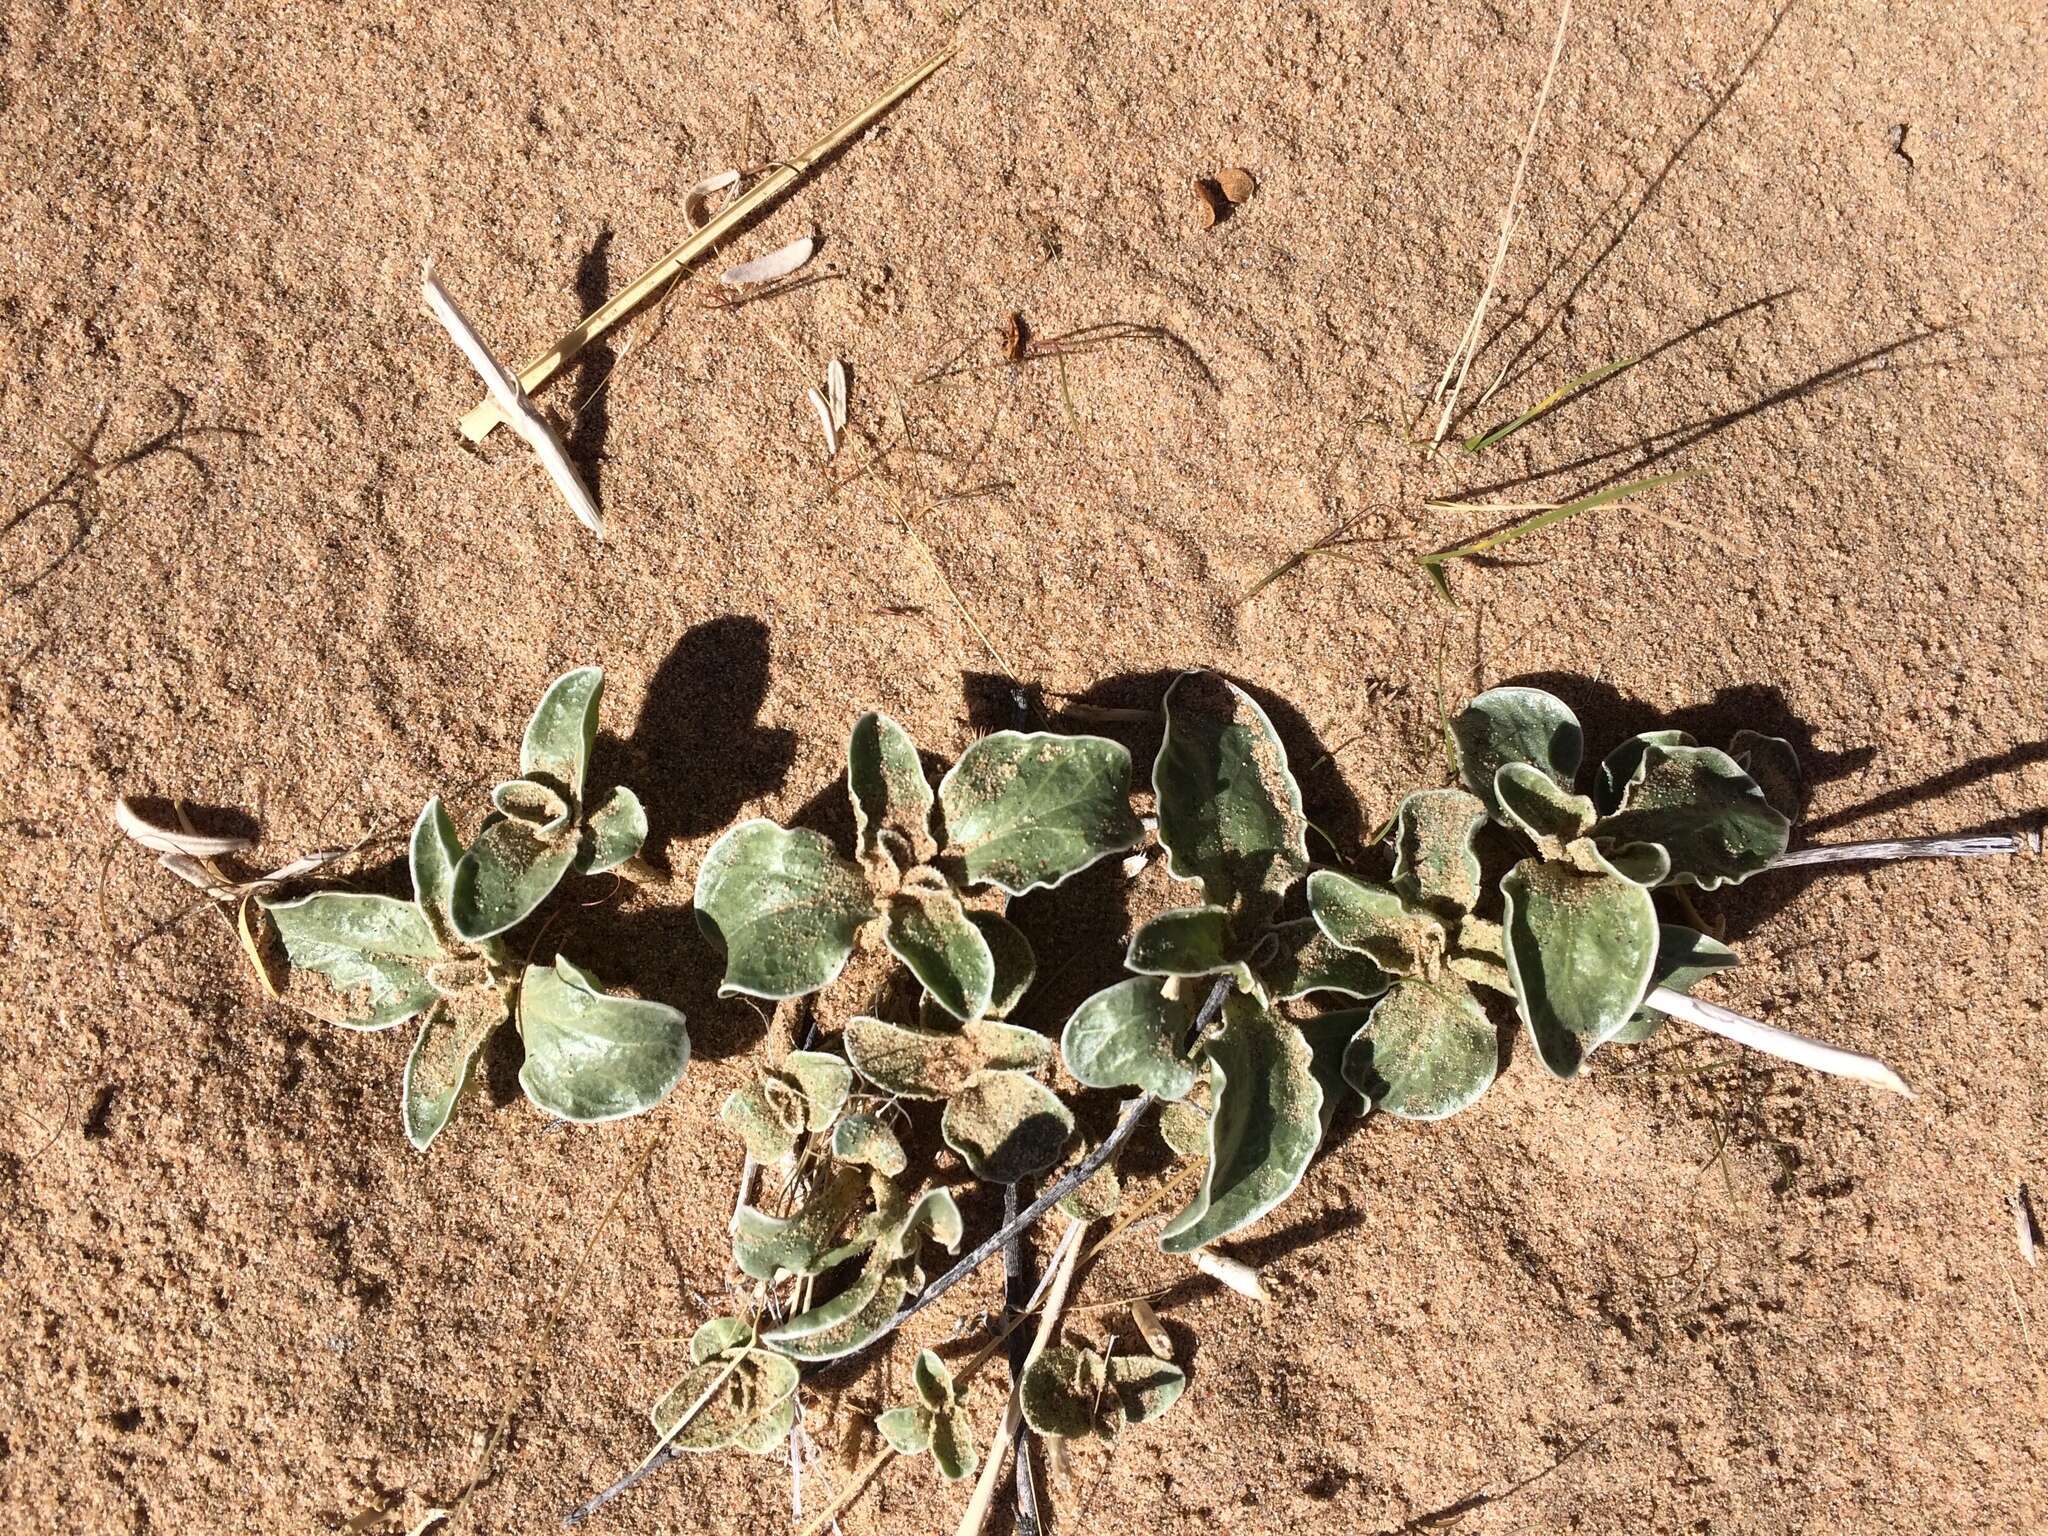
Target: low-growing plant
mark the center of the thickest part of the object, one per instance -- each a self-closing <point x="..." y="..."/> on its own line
<point x="1286" y="996"/>
<point x="443" y="956"/>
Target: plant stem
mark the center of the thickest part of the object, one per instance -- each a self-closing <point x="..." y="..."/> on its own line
<point x="1016" y="1296"/>
<point x="1776" y="1042"/>
<point x="1909" y="848"/>
<point x="1072" y="1180"/>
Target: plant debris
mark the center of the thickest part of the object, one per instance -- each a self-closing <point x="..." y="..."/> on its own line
<point x="777" y="264"/>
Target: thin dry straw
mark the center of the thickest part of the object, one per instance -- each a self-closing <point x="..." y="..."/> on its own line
<point x="1468" y="345"/>
<point x="1772" y="1041"/>
<point x="478" y="423"/>
<point x="1910" y="848"/>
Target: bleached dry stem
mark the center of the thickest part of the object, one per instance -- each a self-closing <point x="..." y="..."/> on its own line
<point x="1730" y="1025"/>
<point x="1909" y="848"/>
<point x="518" y="411"/>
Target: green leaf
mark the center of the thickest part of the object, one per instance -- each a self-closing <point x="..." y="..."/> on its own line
<point x="783" y="906"/>
<point x="1188" y="941"/>
<point x="805" y="1243"/>
<point x="1684" y="956"/>
<point x="443" y="1055"/>
<point x="865" y="1142"/>
<point x="1377" y="923"/>
<point x="563" y="729"/>
<point x="1646" y="864"/>
<point x="1015" y="964"/>
<point x="931" y="1064"/>
<point x="1229" y="809"/>
<point x="1071" y="1392"/>
<point x="1307" y="961"/>
<point x="768" y="1115"/>
<point x="823" y="1080"/>
<point x="1425" y="1053"/>
<point x="1580" y="948"/>
<point x="1532" y="803"/>
<point x="933" y="1382"/>
<point x="720" y="1336"/>
<point x="1710" y="816"/>
<point x="865" y="1309"/>
<point x="1131" y="1035"/>
<point x="591" y="1056"/>
<point x="927" y="929"/>
<point x="1006" y="1125"/>
<point x="1028" y="811"/>
<point x="908" y="1430"/>
<point x="542" y="807"/>
<point x="1329" y="1037"/>
<point x="953" y="1449"/>
<point x="1097" y="1197"/>
<point x="613" y="832"/>
<point x="1435" y="864"/>
<point x="1263" y="1130"/>
<point x="1514" y="725"/>
<point x="1620" y="765"/>
<point x="1774" y="763"/>
<point x="373" y="950"/>
<point x="892" y="800"/>
<point x="1184" y="1127"/>
<point x="508" y="872"/>
<point x="749" y="1402"/>
<point x="433" y="854"/>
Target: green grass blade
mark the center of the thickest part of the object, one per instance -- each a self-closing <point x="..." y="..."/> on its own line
<point x="1434" y="563"/>
<point x="1547" y="404"/>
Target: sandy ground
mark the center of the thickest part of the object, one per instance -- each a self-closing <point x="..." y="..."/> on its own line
<point x="1731" y="1299"/>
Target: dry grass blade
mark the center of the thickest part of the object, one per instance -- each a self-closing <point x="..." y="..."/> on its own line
<point x="1549" y="403"/>
<point x="1772" y="1041"/>
<point x="1434" y="563"/>
<point x="835" y="392"/>
<point x="825" y="421"/>
<point x="479" y="422"/>
<point x="2022" y="1222"/>
<point x="697" y="197"/>
<point x="167" y="840"/>
<point x="1338" y="538"/>
<point x="1452" y="385"/>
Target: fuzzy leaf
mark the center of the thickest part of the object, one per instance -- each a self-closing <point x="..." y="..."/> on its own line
<point x="719" y="1336"/>
<point x="1329" y="1037"/>
<point x="1434" y="861"/>
<point x="824" y="1081"/>
<point x="892" y="799"/>
<point x="1131" y="1035"/>
<point x="783" y="906"/>
<point x="433" y="855"/>
<point x="591" y="1056"/>
<point x="443" y="1055"/>
<point x="541" y="806"/>
<point x="768" y="1115"/>
<point x="1015" y="964"/>
<point x="1306" y="961"/>
<point x="613" y="832"/>
<point x="1774" y="763"/>
<point x="1188" y="941"/>
<point x="865" y="1142"/>
<point x="805" y="1243"/>
<point x="864" y="1310"/>
<point x="1024" y="811"/>
<point x="1532" y="803"/>
<point x="508" y="872"/>
<point x="908" y="1430"/>
<point x="932" y="1381"/>
<point x="1710" y="816"/>
<point x="1230" y="811"/>
<point x="1580" y="948"/>
<point x="928" y="930"/>
<point x="1377" y="923"/>
<point x="1645" y="864"/>
<point x="1264" y="1128"/>
<point x="1684" y="957"/>
<point x="1006" y="1125"/>
<point x="1072" y="1392"/>
<point x="1097" y="1197"/>
<point x="1514" y="725"/>
<point x="748" y="1403"/>
<point x="953" y="1449"/>
<point x="563" y="729"/>
<point x="1425" y="1053"/>
<point x="373" y="950"/>
<point x="1184" y="1127"/>
<point x="1610" y="781"/>
<point x="930" y="1064"/>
